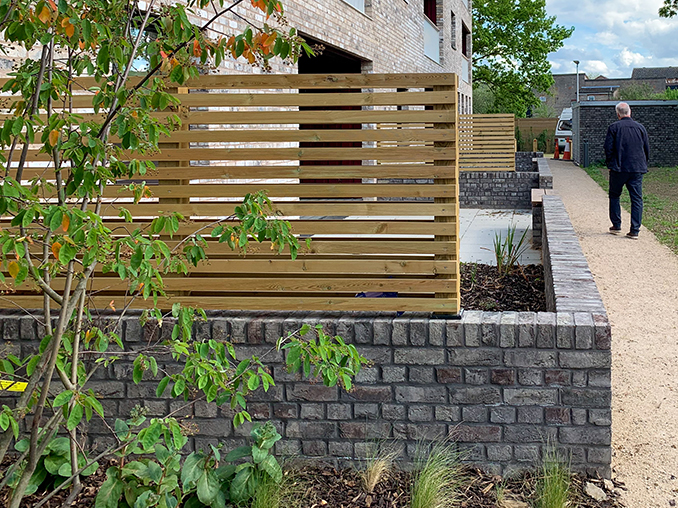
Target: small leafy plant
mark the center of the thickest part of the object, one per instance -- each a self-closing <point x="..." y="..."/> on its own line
<point x="54" y="465"/>
<point x="507" y="251"/>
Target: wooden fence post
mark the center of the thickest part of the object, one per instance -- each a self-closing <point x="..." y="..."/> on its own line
<point x="454" y="201"/>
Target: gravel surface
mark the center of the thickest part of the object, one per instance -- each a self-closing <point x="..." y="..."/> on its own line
<point x="638" y="281"/>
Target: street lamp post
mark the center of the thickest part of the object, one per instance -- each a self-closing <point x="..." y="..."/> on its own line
<point x="577" y="64"/>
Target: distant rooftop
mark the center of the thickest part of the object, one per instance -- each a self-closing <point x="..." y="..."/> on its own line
<point x="655" y="73"/>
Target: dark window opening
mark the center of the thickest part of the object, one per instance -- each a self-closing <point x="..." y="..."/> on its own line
<point x="465" y="41"/>
<point x="453" y="31"/>
<point x="330" y="61"/>
<point x="430" y="10"/>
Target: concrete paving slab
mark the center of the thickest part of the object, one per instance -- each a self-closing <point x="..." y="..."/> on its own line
<point x="478" y="228"/>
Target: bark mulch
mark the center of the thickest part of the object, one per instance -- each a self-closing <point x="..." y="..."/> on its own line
<point x="484" y="288"/>
<point x="325" y="486"/>
<point x="317" y="487"/>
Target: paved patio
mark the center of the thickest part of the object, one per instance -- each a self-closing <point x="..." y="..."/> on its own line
<point x="478" y="228"/>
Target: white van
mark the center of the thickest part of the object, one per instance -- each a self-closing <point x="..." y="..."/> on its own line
<point x="564" y="128"/>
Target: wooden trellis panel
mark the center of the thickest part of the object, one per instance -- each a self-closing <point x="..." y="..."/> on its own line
<point x="487" y="143"/>
<point x="288" y="135"/>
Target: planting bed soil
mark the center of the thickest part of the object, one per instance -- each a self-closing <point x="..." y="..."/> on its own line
<point x="484" y="288"/>
<point x="324" y="486"/>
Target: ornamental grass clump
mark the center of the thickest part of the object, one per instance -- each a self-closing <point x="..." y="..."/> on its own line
<point x="553" y="484"/>
<point x="437" y="478"/>
<point x="378" y="468"/>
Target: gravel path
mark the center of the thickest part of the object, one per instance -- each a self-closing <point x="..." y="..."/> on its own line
<point x="638" y="281"/>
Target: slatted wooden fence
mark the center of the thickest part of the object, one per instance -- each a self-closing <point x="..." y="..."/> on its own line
<point x="318" y="164"/>
<point x="487" y="143"/>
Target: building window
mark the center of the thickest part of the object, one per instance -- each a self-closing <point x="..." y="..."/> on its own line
<point x="358" y="4"/>
<point x="465" y="41"/>
<point x="453" y="29"/>
<point x="430" y="10"/>
<point x="591" y="98"/>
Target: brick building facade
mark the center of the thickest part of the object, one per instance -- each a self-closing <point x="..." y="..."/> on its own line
<point x="397" y="36"/>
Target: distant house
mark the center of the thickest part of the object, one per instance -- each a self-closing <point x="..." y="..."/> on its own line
<point x="564" y="90"/>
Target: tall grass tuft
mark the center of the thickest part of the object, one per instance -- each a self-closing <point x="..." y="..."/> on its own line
<point x="286" y="494"/>
<point x="437" y="478"/>
<point x="553" y="484"/>
<point x="377" y="468"/>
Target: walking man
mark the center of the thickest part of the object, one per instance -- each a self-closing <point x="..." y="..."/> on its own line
<point x="627" y="152"/>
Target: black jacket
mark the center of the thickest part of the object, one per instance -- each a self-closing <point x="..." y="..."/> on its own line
<point x="627" y="147"/>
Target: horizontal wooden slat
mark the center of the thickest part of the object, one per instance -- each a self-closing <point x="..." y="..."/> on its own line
<point x="291" y="171"/>
<point x="291" y="136"/>
<point x="264" y="303"/>
<point x="271" y="99"/>
<point x="299" y="190"/>
<point x="267" y="284"/>
<point x="373" y="209"/>
<point x="304" y="154"/>
<point x="292" y="117"/>
<point x="295" y="81"/>
<point x="309" y="227"/>
<point x="363" y="246"/>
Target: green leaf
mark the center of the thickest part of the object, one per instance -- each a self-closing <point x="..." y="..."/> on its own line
<point x="75" y="417"/>
<point x="258" y="455"/>
<point x="239" y="453"/>
<point x="54" y="462"/>
<point x="207" y="487"/>
<point x="162" y="386"/>
<point x="154" y="472"/>
<point x="272" y="468"/>
<point x="179" y="387"/>
<point x="253" y="382"/>
<point x="135" y="468"/>
<point x="137" y="373"/>
<point x="39" y="476"/>
<point x="151" y="435"/>
<point x="193" y="467"/>
<point x="62" y="398"/>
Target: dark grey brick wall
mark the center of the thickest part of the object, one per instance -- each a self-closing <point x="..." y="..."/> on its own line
<point x="502" y="384"/>
<point x="496" y="189"/>
<point x="591" y="120"/>
<point x="524" y="161"/>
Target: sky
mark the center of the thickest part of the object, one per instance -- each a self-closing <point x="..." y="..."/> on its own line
<point x="612" y="37"/>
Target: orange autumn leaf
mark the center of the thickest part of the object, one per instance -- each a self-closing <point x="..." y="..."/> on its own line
<point x="13" y="269"/>
<point x="53" y="5"/>
<point x="64" y="22"/>
<point x="53" y="137"/>
<point x="81" y="44"/>
<point x="56" y="247"/>
<point x="197" y="50"/>
<point x="65" y="223"/>
<point x="70" y="30"/>
<point x="111" y="305"/>
<point x="45" y="15"/>
<point x="271" y="39"/>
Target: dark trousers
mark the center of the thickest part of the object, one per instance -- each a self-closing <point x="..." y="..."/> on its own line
<point x="634" y="184"/>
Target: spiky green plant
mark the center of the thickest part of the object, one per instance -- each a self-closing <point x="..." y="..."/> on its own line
<point x="437" y="477"/>
<point x="553" y="484"/>
<point x="507" y="251"/>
